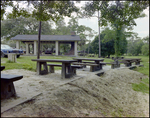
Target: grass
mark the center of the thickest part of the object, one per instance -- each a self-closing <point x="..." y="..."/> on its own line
<point x="24" y="62"/>
<point x="143" y="86"/>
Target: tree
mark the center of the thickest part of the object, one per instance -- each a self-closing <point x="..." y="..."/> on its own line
<point x="135" y="46"/>
<point x="107" y="43"/>
<point x="145" y="47"/>
<point x="119" y="14"/>
<point x="62" y="29"/>
<point x="81" y="30"/>
<point x="21" y="25"/>
<point x="43" y="11"/>
<point x="89" y="11"/>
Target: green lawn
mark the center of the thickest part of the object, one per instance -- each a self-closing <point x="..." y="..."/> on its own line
<point x="24" y="62"/>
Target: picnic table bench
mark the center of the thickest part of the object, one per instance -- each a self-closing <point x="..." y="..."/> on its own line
<point x="7" y="86"/>
<point x="66" y="72"/>
<point x="73" y="67"/>
<point x="93" y="63"/>
<point x="113" y="65"/>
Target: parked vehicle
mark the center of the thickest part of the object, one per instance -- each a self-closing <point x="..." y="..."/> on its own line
<point x="6" y="49"/>
<point x="48" y="51"/>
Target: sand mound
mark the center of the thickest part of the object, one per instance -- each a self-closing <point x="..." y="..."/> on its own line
<point x="90" y="95"/>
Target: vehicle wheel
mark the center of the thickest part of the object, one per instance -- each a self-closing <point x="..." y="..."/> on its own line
<point x="18" y="56"/>
<point x="2" y="55"/>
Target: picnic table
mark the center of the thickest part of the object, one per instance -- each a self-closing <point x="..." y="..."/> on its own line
<point x="129" y="61"/>
<point x="67" y="69"/>
<point x="7" y="86"/>
<point x="94" y="66"/>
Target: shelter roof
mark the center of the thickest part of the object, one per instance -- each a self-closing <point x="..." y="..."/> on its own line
<point x="47" y="38"/>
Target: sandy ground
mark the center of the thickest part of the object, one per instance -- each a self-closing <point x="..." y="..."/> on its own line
<point x="85" y="94"/>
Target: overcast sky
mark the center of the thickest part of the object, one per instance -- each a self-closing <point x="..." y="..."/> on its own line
<point x="142" y="27"/>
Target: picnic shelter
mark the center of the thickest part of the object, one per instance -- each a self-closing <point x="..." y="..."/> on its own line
<point x="48" y="39"/>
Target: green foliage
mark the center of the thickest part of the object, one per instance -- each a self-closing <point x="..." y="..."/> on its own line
<point x="43" y="10"/>
<point x="143" y="86"/>
<point x="107" y="38"/>
<point x="21" y="25"/>
<point x="135" y="46"/>
<point x="145" y="49"/>
<point x="118" y="14"/>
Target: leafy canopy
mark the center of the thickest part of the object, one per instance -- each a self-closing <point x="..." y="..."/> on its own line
<point x="41" y="10"/>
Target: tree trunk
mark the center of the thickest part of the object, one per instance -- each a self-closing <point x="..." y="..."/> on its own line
<point x="39" y="38"/>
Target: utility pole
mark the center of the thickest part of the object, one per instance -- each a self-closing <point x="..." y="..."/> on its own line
<point x="99" y="36"/>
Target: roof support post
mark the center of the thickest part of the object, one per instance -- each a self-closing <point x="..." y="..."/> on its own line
<point x="75" y="48"/>
<point x="56" y="47"/>
<point x="35" y="47"/>
<point x="27" y="48"/>
<point x="18" y="44"/>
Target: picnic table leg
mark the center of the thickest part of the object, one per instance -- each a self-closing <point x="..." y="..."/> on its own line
<point x="99" y="67"/>
<point x="63" y="71"/>
<point x="7" y="90"/>
<point x="137" y="63"/>
<point x="39" y="68"/>
<point x="92" y="68"/>
<point x="51" y="69"/>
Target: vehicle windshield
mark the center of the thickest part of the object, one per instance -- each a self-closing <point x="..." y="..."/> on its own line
<point x="6" y="47"/>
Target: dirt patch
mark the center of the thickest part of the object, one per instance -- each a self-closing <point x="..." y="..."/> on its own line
<point x="88" y="95"/>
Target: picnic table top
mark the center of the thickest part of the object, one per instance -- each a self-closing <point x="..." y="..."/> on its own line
<point x="2" y="68"/>
<point x="128" y="59"/>
<point x="53" y="60"/>
<point x="10" y="77"/>
<point x="90" y="59"/>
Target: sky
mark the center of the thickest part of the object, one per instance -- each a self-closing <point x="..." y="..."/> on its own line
<point x="142" y="27"/>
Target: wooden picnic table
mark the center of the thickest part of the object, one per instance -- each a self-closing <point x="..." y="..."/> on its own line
<point x="7" y="86"/>
<point x="89" y="59"/>
<point x="66" y="71"/>
<point x="129" y="61"/>
<point x="92" y="66"/>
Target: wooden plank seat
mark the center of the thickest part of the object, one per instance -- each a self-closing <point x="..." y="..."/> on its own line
<point x="2" y="68"/>
<point x="126" y="63"/>
<point x="51" y="67"/>
<point x="74" y="67"/>
<point x="7" y="86"/>
<point x="88" y="64"/>
<point x="113" y="65"/>
<point x="137" y="62"/>
<point x="103" y="63"/>
<point x="92" y="65"/>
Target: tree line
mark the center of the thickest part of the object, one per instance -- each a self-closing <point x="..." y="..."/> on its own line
<point x="131" y="45"/>
<point x="118" y="15"/>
